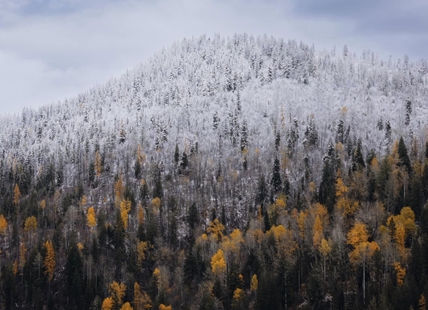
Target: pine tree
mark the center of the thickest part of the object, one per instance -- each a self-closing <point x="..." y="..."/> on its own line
<point x="276" y="181"/>
<point x="403" y="156"/>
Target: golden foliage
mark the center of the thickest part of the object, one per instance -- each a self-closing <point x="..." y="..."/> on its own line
<point x="301" y="222"/>
<point x="404" y="226"/>
<point x="218" y="263"/>
<point x="324" y="248"/>
<point x="358" y="238"/>
<point x="141" y="252"/>
<point x="233" y="243"/>
<point x="216" y="228"/>
<point x="43" y="204"/>
<point x="142" y="301"/>
<point x="3" y="224"/>
<point x="401" y="273"/>
<point x="30" y="223"/>
<point x="344" y="204"/>
<point x="318" y="232"/>
<point x="254" y="283"/>
<point x="49" y="262"/>
<point x="16" y="194"/>
<point x="163" y="307"/>
<point x="126" y="306"/>
<point x="125" y="207"/>
<point x="156" y="203"/>
<point x="117" y="292"/>
<point x="107" y="304"/>
<point x="284" y="241"/>
<point x="91" y="219"/>
<point x="238" y="294"/>
<point x="357" y="234"/>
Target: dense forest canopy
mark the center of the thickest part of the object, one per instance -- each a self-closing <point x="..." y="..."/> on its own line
<point x="224" y="173"/>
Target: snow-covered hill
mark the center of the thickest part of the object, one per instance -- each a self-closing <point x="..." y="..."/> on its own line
<point x="224" y="100"/>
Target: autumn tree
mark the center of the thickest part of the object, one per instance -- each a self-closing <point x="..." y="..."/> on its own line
<point x="3" y="224"/>
<point x="125" y="207"/>
<point x="16" y="195"/>
<point x="91" y="220"/>
<point x="218" y="263"/>
<point x="49" y="262"/>
<point x="363" y="249"/>
<point x="142" y="300"/>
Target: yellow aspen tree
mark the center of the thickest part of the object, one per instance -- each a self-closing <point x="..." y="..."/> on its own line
<point x="325" y="250"/>
<point x="107" y="304"/>
<point x="125" y="207"/>
<point x="118" y="191"/>
<point x="43" y="204"/>
<point x="91" y="220"/>
<point x="401" y="273"/>
<point x="49" y="262"/>
<point x="30" y="224"/>
<point x="126" y="306"/>
<point x="216" y="229"/>
<point x="233" y="243"/>
<point x="3" y="224"/>
<point x="163" y="307"/>
<point x="254" y="283"/>
<point x="318" y="232"/>
<point x="117" y="292"/>
<point x="363" y="250"/>
<point x="156" y="203"/>
<point x="142" y="301"/>
<point x="16" y="195"/>
<point x="301" y="223"/>
<point x="218" y="263"/>
<point x="238" y="294"/>
<point x="141" y="252"/>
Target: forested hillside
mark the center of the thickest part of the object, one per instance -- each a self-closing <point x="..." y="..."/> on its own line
<point x="223" y="173"/>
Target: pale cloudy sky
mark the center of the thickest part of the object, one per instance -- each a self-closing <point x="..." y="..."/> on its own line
<point x="54" y="49"/>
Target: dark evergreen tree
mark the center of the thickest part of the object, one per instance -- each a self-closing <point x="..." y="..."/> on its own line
<point x="262" y="191"/>
<point x="193" y="217"/>
<point x="276" y="181"/>
<point x="358" y="159"/>
<point x="277" y="140"/>
<point x="404" y="159"/>
<point x="408" y="112"/>
<point x="244" y="136"/>
<point x="327" y="190"/>
<point x="176" y="154"/>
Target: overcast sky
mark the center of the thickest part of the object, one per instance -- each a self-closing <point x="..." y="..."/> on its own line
<point x="54" y="49"/>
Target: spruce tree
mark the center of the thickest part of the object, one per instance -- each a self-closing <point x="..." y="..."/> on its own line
<point x="403" y="156"/>
<point x="276" y="181"/>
